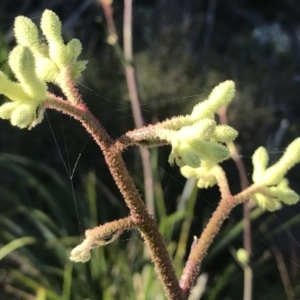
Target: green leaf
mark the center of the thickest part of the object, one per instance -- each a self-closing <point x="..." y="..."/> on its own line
<point x="16" y="244"/>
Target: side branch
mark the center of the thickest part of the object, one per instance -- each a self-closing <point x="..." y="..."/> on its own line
<point x="199" y="250"/>
<point x="100" y="236"/>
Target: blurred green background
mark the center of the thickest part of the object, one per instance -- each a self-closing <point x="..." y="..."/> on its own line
<point x="182" y="49"/>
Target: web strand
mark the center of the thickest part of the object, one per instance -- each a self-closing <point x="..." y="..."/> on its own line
<point x="69" y="172"/>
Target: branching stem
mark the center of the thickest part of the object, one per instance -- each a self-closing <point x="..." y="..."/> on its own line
<point x="145" y="222"/>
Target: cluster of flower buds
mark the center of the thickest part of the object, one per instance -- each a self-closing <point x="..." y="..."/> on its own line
<point x="276" y="190"/>
<point x="201" y="143"/>
<point x="34" y="63"/>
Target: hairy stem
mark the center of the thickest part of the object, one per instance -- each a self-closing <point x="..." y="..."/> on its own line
<point x="199" y="251"/>
<point x="145" y="222"/>
<point x="135" y="104"/>
<point x="246" y="209"/>
<point x="126" y="59"/>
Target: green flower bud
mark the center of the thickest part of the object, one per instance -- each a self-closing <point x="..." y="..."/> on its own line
<point x="183" y="154"/>
<point x="23" y="115"/>
<point x="7" y="109"/>
<point x="242" y="256"/>
<point x="74" y="48"/>
<point x="214" y="151"/>
<point x="202" y="130"/>
<point x="46" y="69"/>
<point x="192" y="143"/>
<point x="286" y="195"/>
<point x="271" y="198"/>
<point x="206" y="182"/>
<point x="22" y="63"/>
<point x="62" y="55"/>
<point x="51" y="26"/>
<point x="12" y="90"/>
<point x="59" y="54"/>
<point x="266" y="203"/>
<point x="205" y="177"/>
<point x="26" y="33"/>
<point x="260" y="160"/>
<point x="221" y="95"/>
<point x="78" y="67"/>
<point x="224" y="134"/>
<point x="284" y="183"/>
<point x="188" y="171"/>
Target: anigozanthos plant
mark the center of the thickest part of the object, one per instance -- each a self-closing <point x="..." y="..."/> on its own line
<point x="34" y="63"/>
<point x="198" y="144"/>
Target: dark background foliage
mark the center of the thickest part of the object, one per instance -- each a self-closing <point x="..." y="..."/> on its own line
<point x="182" y="49"/>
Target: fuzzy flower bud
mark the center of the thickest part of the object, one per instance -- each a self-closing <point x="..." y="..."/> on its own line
<point x="12" y="90"/>
<point x="224" y="134"/>
<point x="22" y="64"/>
<point x="205" y="176"/>
<point x="62" y="55"/>
<point x="23" y="115"/>
<point x="221" y="95"/>
<point x="260" y="161"/>
<point x="242" y="256"/>
<point x="26" y="33"/>
<point x="51" y="27"/>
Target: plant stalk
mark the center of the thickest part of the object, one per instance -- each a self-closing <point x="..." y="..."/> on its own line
<point x="199" y="250"/>
<point x="145" y="222"/>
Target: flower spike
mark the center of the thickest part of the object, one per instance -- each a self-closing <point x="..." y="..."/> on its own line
<point x="34" y="63"/>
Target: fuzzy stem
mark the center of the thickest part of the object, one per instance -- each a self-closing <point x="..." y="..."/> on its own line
<point x="126" y="59"/>
<point x="222" y="113"/>
<point x="135" y="103"/>
<point x="199" y="251"/>
<point x="107" y="229"/>
<point x="145" y="222"/>
<point x="67" y="85"/>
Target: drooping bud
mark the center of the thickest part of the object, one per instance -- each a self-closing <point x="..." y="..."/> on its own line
<point x="260" y="160"/>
